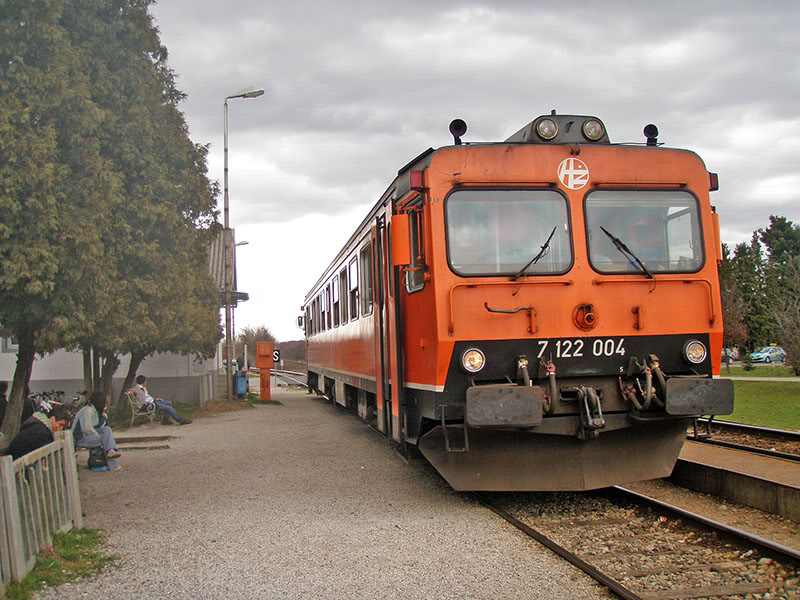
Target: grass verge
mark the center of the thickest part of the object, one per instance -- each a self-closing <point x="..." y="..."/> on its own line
<point x="758" y="371"/>
<point x="75" y="555"/>
<point x="766" y="403"/>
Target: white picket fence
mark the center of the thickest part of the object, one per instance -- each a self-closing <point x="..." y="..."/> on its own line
<point x="40" y="497"/>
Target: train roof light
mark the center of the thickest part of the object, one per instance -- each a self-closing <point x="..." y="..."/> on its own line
<point x="713" y="182"/>
<point x="562" y="129"/>
<point x="547" y="129"/>
<point x="593" y="129"/>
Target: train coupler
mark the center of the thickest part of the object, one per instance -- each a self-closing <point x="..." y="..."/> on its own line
<point x="592" y="420"/>
<point x="452" y="428"/>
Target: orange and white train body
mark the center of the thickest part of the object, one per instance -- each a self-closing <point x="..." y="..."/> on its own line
<point x="537" y="314"/>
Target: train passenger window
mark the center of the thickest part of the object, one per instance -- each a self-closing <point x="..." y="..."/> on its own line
<point x="343" y="287"/>
<point x="314" y="317"/>
<point x="328" y="322"/>
<point x="365" y="258"/>
<point x="499" y="231"/>
<point x="661" y="229"/>
<point x="353" y="267"/>
<point x="415" y="274"/>
<point x="335" y="300"/>
<point x="322" y="317"/>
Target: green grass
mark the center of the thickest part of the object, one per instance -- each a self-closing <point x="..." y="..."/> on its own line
<point x="76" y="555"/>
<point x="766" y="403"/>
<point x="758" y="371"/>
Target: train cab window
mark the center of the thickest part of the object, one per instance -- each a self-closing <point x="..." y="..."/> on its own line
<point x="365" y="258"/>
<point x="415" y="274"/>
<point x="660" y="228"/>
<point x="499" y="231"/>
<point x="343" y="288"/>
<point x="308" y="323"/>
<point x="353" y="268"/>
<point x="335" y="301"/>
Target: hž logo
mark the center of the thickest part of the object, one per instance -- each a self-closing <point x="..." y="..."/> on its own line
<point x="573" y="173"/>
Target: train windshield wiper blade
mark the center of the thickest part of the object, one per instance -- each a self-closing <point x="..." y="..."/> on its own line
<point x="541" y="253"/>
<point x="632" y="258"/>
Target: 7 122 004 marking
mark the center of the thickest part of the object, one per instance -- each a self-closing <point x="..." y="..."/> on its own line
<point x="578" y="348"/>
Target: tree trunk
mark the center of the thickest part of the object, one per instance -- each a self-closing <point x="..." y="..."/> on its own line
<point x="95" y="370"/>
<point x="19" y="387"/>
<point x="110" y="365"/>
<point x="136" y="361"/>
<point x="87" y="371"/>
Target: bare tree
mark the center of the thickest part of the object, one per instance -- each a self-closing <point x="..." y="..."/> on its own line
<point x="248" y="337"/>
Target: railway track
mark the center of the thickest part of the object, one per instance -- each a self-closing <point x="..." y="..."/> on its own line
<point x="640" y="548"/>
<point x="777" y="443"/>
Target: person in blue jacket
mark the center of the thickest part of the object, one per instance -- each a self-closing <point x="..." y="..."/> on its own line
<point x="90" y="431"/>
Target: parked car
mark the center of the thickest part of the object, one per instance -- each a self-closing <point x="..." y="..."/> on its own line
<point x="769" y="354"/>
<point x="733" y="353"/>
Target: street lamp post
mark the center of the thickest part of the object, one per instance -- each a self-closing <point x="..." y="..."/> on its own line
<point x="251" y="92"/>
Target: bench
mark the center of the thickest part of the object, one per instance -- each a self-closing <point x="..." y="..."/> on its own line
<point x="148" y="410"/>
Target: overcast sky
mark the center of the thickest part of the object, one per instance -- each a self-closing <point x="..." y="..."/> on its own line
<point x="356" y="89"/>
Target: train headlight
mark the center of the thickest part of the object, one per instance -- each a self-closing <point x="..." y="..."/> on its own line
<point x="593" y="129"/>
<point x="695" y="352"/>
<point x="547" y="129"/>
<point x="473" y="360"/>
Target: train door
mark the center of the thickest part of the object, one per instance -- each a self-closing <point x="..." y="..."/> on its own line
<point x="388" y="383"/>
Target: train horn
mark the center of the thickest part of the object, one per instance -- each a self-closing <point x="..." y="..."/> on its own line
<point x="457" y="129"/>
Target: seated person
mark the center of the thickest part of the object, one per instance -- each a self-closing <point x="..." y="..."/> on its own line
<point x="165" y="406"/>
<point x="35" y="432"/>
<point x="89" y="433"/>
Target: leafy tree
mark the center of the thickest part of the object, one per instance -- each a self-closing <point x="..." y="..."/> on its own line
<point x="57" y="190"/>
<point x="733" y="304"/>
<point x="107" y="211"/>
<point x="785" y="312"/>
<point x="749" y="270"/>
<point x="782" y="239"/>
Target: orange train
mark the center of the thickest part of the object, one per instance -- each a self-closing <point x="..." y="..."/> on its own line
<point x="541" y="313"/>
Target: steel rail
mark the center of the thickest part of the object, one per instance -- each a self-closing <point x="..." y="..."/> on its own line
<point x="766" y="546"/>
<point x="573" y="559"/>
<point x="745" y="448"/>
<point x="785" y="433"/>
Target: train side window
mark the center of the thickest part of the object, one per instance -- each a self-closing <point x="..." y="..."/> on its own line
<point x="354" y="288"/>
<point x="329" y="320"/>
<point x="365" y="258"/>
<point x="335" y="301"/>
<point x="322" y="316"/>
<point x="343" y="288"/>
<point x="309" y="329"/>
<point x="415" y="274"/>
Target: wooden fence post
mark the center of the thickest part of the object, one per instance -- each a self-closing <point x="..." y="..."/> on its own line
<point x="71" y="473"/>
<point x="13" y="524"/>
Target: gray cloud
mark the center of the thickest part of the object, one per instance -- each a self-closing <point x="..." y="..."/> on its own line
<point x="356" y="89"/>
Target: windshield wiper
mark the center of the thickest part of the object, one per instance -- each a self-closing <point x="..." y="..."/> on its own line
<point x="632" y="258"/>
<point x="541" y="253"/>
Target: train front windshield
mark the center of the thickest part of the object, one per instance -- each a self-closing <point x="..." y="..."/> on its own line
<point x="497" y="232"/>
<point x="660" y="228"/>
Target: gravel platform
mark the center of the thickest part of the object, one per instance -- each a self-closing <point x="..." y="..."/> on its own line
<point x="301" y="500"/>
